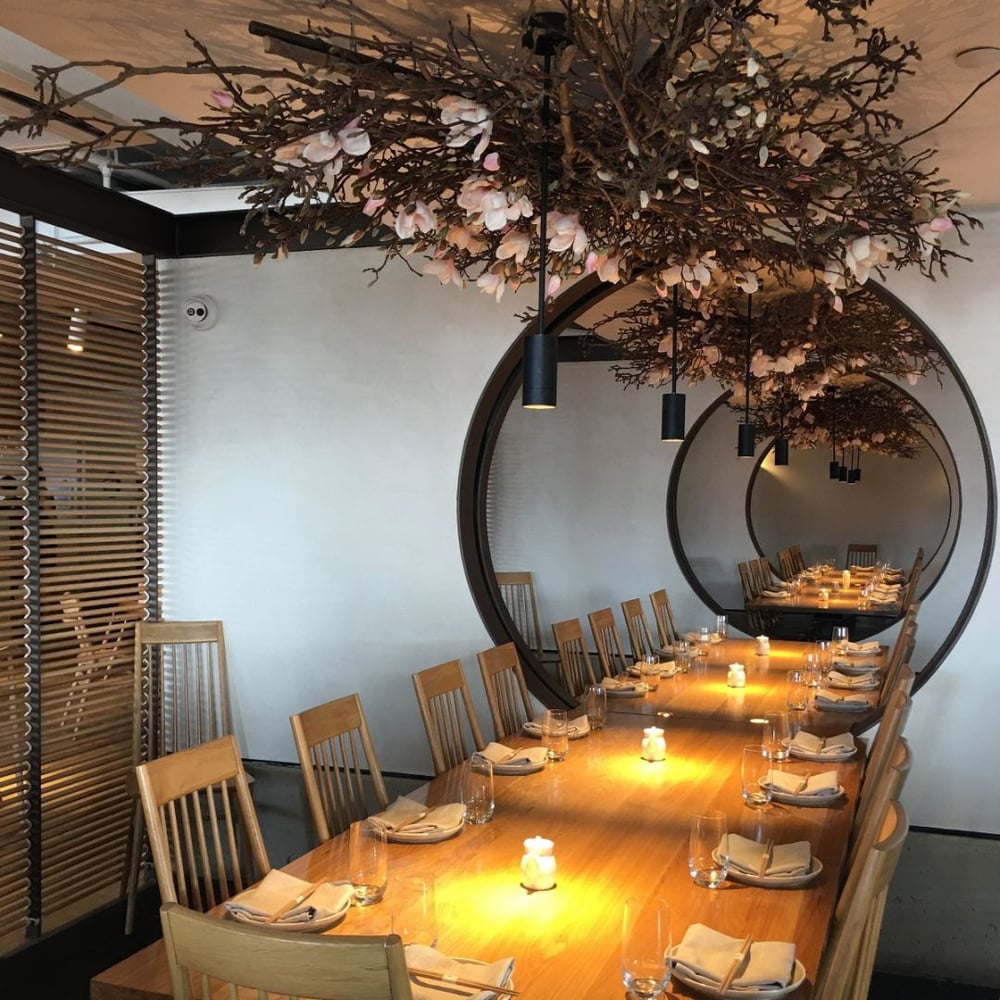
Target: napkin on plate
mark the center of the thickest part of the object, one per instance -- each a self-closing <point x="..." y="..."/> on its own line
<point x="825" y="783"/>
<point x="620" y="684"/>
<point x="836" y="745"/>
<point x="747" y="855"/>
<point x="277" y="889"/>
<point x="667" y="669"/>
<point x="402" y="812"/>
<point x="705" y="956"/>
<point x="775" y="593"/>
<point x="437" y="820"/>
<point x="577" y="727"/>
<point x="863" y="682"/>
<point x="497" y="753"/>
<point x="863" y="647"/>
<point x="421" y="957"/>
<point x="826" y="700"/>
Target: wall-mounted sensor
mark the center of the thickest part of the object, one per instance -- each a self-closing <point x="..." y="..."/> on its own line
<point x="200" y="312"/>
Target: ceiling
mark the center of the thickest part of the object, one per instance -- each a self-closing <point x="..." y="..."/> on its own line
<point x="32" y="32"/>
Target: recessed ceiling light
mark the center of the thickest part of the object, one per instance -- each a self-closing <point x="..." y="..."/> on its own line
<point x="978" y="57"/>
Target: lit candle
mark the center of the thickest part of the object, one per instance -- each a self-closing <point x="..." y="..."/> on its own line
<point x="845" y="578"/>
<point x="654" y="746"/>
<point x="824" y="597"/>
<point x="763" y="645"/>
<point x="737" y="676"/>
<point x="538" y="864"/>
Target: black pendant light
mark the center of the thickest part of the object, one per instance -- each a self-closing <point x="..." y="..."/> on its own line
<point x="781" y="442"/>
<point x="834" y="464"/>
<point x="746" y="444"/>
<point x="842" y="470"/>
<point x="545" y="34"/>
<point x="854" y="476"/>
<point x="672" y="417"/>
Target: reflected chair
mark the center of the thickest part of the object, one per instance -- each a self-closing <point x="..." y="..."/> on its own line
<point x="846" y="964"/>
<point x="663" y="614"/>
<point x="517" y="588"/>
<point x="639" y="637"/>
<point x="223" y="954"/>
<point x="786" y="564"/>
<point x="506" y="692"/>
<point x="338" y="762"/>
<point x="575" y="668"/>
<point x="608" y="642"/>
<point x="181" y="700"/>
<point x="909" y="594"/>
<point x="861" y="555"/>
<point x="199" y="816"/>
<point x="449" y="718"/>
<point x="798" y="560"/>
<point x="750" y="589"/>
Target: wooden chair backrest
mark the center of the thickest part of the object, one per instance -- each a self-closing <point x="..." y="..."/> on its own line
<point x="449" y="717"/>
<point x="517" y="588"/>
<point x="910" y="589"/>
<point x="199" y="815"/>
<point x="576" y="670"/>
<point x="637" y="627"/>
<point x="181" y="688"/>
<point x="798" y="560"/>
<point x="786" y="564"/>
<point x="860" y="554"/>
<point x="899" y="656"/>
<point x="506" y="691"/>
<point x="846" y="964"/>
<point x="889" y="786"/>
<point x="663" y="615"/>
<point x="223" y="953"/>
<point x="608" y="642"/>
<point x="336" y="753"/>
<point x="750" y="590"/>
<point x="760" y="573"/>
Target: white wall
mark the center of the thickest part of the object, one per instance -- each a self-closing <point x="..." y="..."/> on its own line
<point x="311" y="475"/>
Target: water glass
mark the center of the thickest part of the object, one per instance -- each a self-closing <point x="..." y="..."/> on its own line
<point x="368" y="862"/>
<point x="722" y="627"/>
<point x="841" y="637"/>
<point x="708" y="850"/>
<point x="477" y="790"/>
<point x="595" y="704"/>
<point x="824" y="655"/>
<point x="703" y="640"/>
<point x="755" y="766"/>
<point x="682" y="655"/>
<point x="649" y="671"/>
<point x="414" y="914"/>
<point x="555" y="733"/>
<point x="777" y="735"/>
<point x="811" y="671"/>
<point x="646" y="947"/>
<point x="796" y="691"/>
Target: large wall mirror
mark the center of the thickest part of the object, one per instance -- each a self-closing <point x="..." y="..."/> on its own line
<point x="589" y="499"/>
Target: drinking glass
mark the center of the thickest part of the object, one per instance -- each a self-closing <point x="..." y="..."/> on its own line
<point x="649" y="671"/>
<point x="477" y="790"/>
<point x="796" y="692"/>
<point x="703" y="641"/>
<point x="682" y="655"/>
<point x="368" y="862"/>
<point x="555" y="733"/>
<point x="755" y="766"/>
<point x="595" y="703"/>
<point x="840" y="639"/>
<point x="812" y="674"/>
<point x="414" y="915"/>
<point x="721" y="627"/>
<point x="777" y="735"/>
<point x="708" y="849"/>
<point x="824" y="654"/>
<point x="646" y="947"/>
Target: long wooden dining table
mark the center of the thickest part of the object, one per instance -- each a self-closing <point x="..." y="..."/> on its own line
<point x="620" y="827"/>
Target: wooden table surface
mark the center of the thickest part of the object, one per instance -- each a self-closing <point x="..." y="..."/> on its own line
<point x="842" y="600"/>
<point x="620" y="827"/>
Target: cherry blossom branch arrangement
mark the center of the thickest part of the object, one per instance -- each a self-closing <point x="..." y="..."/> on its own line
<point x="688" y="148"/>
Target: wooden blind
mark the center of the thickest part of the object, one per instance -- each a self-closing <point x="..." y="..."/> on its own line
<point x="92" y="530"/>
<point x="14" y="830"/>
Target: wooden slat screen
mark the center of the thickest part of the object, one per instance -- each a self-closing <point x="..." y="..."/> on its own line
<point x="92" y="560"/>
<point x="14" y="832"/>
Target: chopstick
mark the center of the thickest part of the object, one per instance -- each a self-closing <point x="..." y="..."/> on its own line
<point x="735" y="964"/>
<point x="292" y="903"/>
<point x="443" y="977"/>
<point x="766" y="860"/>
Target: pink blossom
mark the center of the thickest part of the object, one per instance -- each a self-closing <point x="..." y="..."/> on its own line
<point x="465" y="238"/>
<point x="444" y="268"/>
<point x="492" y="283"/>
<point x="516" y="244"/>
<point x="460" y="109"/>
<point x="474" y="189"/>
<point x="552" y="285"/>
<point x="468" y="120"/>
<point x="695" y="275"/>
<point x="491" y="162"/>
<point x="863" y="254"/>
<point x="805" y="147"/>
<point x="747" y="282"/>
<point x="290" y="153"/>
<point x="353" y="140"/>
<point x="320" y="147"/>
<point x="493" y="206"/>
<point x="761" y="364"/>
<point x="607" y="266"/>
<point x="566" y="233"/>
<point x="417" y="217"/>
<point x="223" y="99"/>
<point x="372" y="205"/>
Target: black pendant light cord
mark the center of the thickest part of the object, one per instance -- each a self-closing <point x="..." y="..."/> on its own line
<point x="747" y="383"/>
<point x="543" y="199"/>
<point x="673" y="340"/>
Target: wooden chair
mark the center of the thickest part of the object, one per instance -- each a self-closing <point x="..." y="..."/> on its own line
<point x="750" y="589"/>
<point x="199" y="813"/>
<point x="218" y="953"/>
<point x="861" y="555"/>
<point x="575" y="668"/>
<point x="181" y="700"/>
<point x="506" y="692"/>
<point x="889" y="786"/>
<point x="899" y="656"/>
<point x="663" y="614"/>
<point x="336" y="753"/>
<point x="846" y="964"/>
<point x="786" y="564"/>
<point x="639" y="637"/>
<point x="518" y="592"/>
<point x="909" y="594"/>
<point x="798" y="560"/>
<point x="608" y="642"/>
<point x="444" y="700"/>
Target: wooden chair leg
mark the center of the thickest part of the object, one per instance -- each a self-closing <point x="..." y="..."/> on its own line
<point x="133" y="863"/>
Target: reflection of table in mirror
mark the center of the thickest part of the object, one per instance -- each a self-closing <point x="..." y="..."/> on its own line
<point x="704" y="692"/>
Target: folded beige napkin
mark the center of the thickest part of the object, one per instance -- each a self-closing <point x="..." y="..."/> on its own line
<point x="667" y="669"/>
<point x="775" y="593"/>
<point x="444" y="817"/>
<point x="809" y="743"/>
<point x="497" y="753"/>
<point x="713" y="637"/>
<point x="747" y="855"/>
<point x="825" y="783"/>
<point x="618" y="684"/>
<point x="863" y="682"/>
<point x="856" y="665"/>
<point x="705" y="956"/>
<point x="863" y="647"/>
<point x="832" y="700"/>
<point x="420" y="958"/>
<point x="577" y="727"/>
<point x="401" y="813"/>
<point x="277" y="889"/>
